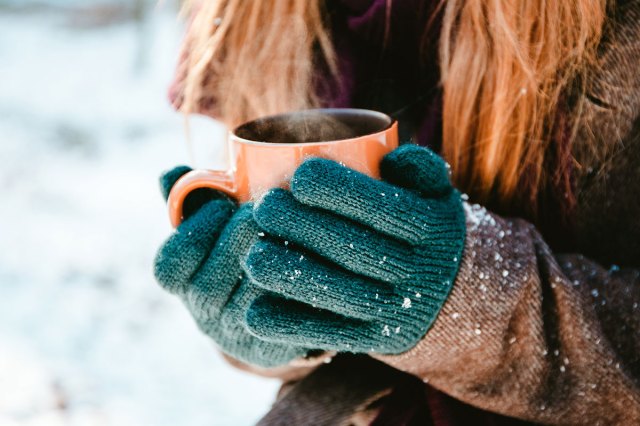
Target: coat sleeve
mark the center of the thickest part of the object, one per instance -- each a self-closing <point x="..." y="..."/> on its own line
<point x="534" y="335"/>
<point x="547" y="337"/>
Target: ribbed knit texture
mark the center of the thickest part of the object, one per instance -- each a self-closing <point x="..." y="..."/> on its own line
<point x="353" y="263"/>
<point x="201" y="263"/>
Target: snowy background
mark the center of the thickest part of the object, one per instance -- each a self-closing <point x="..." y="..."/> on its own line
<point x="86" y="335"/>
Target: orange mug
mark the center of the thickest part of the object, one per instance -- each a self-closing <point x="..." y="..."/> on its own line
<point x="264" y="153"/>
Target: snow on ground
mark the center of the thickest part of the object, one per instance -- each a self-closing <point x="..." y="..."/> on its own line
<point x="86" y="336"/>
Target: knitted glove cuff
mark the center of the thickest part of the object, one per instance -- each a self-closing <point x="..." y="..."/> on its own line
<point x="423" y="299"/>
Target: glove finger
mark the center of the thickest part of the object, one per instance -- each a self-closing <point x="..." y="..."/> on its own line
<point x="417" y="168"/>
<point x="346" y="243"/>
<point x="388" y="209"/>
<point x="227" y="329"/>
<point x="170" y="177"/>
<point x="182" y="254"/>
<point x="285" y="321"/>
<point x="296" y="275"/>
<point x="215" y="282"/>
<point x="250" y="349"/>
<point x="234" y="340"/>
<point x="236" y="308"/>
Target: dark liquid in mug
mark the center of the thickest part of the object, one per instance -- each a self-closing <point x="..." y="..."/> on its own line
<point x="314" y="126"/>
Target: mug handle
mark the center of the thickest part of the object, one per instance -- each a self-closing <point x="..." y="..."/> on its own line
<point x="196" y="179"/>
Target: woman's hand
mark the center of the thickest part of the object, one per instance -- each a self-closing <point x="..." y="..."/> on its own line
<point x="201" y="263"/>
<point x="356" y="264"/>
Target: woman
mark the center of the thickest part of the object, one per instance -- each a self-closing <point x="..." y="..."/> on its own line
<point x="522" y="307"/>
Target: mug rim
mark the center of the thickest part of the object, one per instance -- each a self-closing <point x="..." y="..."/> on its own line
<point x="354" y="111"/>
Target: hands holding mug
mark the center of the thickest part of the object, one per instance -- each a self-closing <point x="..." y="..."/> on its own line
<point x="341" y="261"/>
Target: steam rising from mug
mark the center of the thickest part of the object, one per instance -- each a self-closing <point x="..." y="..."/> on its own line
<point x="311" y="126"/>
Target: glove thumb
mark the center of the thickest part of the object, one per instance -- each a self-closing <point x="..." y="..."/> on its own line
<point x="417" y="168"/>
<point x="170" y="177"/>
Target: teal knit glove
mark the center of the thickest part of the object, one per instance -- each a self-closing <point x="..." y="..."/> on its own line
<point x="200" y="263"/>
<point x="357" y="264"/>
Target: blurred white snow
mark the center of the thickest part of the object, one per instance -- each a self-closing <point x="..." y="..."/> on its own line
<point x="86" y="335"/>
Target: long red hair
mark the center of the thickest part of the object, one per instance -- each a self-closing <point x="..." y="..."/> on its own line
<point x="505" y="65"/>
